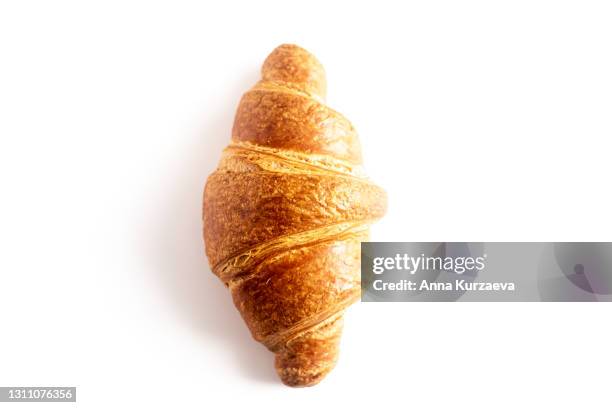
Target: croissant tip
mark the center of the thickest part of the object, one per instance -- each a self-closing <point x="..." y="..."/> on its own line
<point x="290" y="63"/>
<point x="298" y="382"/>
<point x="298" y="377"/>
<point x="305" y="360"/>
<point x="291" y="47"/>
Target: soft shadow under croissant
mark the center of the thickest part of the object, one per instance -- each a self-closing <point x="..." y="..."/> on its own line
<point x="285" y="212"/>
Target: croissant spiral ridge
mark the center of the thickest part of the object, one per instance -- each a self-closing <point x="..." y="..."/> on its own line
<point x="285" y="213"/>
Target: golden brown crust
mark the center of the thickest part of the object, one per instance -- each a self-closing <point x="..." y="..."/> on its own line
<point x="255" y="207"/>
<point x="294" y="66"/>
<point x="284" y="215"/>
<point x="305" y="360"/>
<point x="293" y="121"/>
<point x="298" y="288"/>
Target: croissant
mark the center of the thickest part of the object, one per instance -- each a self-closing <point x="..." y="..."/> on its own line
<point x="285" y="213"/>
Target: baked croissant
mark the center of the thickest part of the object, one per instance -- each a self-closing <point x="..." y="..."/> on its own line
<point x="285" y="212"/>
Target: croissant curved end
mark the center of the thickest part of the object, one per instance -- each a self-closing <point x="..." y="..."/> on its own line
<point x="306" y="360"/>
<point x="291" y="64"/>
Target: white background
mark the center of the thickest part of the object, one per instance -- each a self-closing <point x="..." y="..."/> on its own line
<point x="483" y="120"/>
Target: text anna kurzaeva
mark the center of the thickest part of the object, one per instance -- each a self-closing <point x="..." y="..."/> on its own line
<point x="410" y="265"/>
